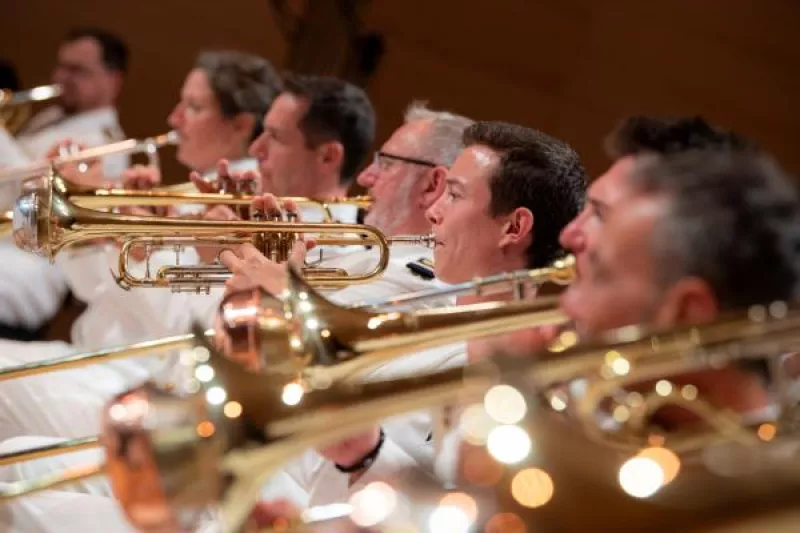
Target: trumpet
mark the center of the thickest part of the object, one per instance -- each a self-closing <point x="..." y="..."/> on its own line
<point x="147" y="146"/>
<point x="560" y="272"/>
<point x="303" y="332"/>
<point x="15" y="107"/>
<point x="45" y="222"/>
<point x="178" y="450"/>
<point x="93" y="198"/>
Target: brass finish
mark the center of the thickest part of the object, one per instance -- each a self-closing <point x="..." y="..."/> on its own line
<point x="168" y="456"/>
<point x="45" y="222"/>
<point x="147" y="146"/>
<point x="140" y="349"/>
<point x="6" y="223"/>
<point x="560" y="272"/>
<point x="274" y="337"/>
<point x="70" y="446"/>
<point x="15" y="107"/>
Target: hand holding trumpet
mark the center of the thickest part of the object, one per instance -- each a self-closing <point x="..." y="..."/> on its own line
<point x="250" y="267"/>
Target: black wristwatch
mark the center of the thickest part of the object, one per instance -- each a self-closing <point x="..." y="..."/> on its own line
<point x="365" y="461"/>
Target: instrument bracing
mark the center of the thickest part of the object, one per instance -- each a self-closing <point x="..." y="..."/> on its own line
<point x="92" y="198"/>
<point x="15" y="106"/>
<point x="45" y="222"/>
<point x="147" y="146"/>
<point x="294" y="336"/>
<point x="100" y="198"/>
<point x="171" y="457"/>
<point x="560" y="272"/>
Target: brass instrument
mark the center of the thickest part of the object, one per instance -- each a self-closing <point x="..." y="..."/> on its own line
<point x="92" y="198"/>
<point x="560" y="272"/>
<point x="6" y="223"/>
<point x="147" y="146"/>
<point x="167" y="456"/>
<point x="15" y="106"/>
<point x="293" y="337"/>
<point x="45" y="222"/>
<point x="99" y="198"/>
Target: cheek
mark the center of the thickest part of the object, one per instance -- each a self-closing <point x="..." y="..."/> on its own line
<point x="205" y="130"/>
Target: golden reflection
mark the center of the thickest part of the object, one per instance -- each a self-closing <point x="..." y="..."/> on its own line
<point x="532" y="487"/>
<point x="669" y="462"/>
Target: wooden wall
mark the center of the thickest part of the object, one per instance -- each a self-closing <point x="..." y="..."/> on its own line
<point x="569" y="67"/>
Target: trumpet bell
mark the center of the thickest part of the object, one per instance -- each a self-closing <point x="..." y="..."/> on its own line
<point x="27" y="230"/>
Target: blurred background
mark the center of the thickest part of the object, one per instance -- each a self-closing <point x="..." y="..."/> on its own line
<point x="569" y="67"/>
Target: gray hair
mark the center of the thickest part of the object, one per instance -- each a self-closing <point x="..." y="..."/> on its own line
<point x="732" y="220"/>
<point x="242" y="83"/>
<point x="443" y="142"/>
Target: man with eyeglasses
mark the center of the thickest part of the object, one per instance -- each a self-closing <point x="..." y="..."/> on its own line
<point x="406" y="177"/>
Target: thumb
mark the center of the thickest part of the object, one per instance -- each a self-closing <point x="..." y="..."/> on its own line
<point x="201" y="184"/>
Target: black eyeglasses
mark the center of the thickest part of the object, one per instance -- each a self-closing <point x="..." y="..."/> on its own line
<point x="382" y="158"/>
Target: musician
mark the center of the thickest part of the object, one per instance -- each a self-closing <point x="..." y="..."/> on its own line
<point x="337" y="119"/>
<point x="316" y="136"/>
<point x="506" y="198"/>
<point x="634" y="137"/>
<point x="402" y="190"/>
<point x="222" y="103"/>
<point x="91" y="68"/>
<point x="700" y="234"/>
<point x="681" y="237"/>
<point x="116" y="317"/>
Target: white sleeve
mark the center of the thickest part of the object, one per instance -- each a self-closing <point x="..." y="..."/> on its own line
<point x="31" y="289"/>
<point x="397" y="279"/>
<point x="56" y="511"/>
<point x="11" y="153"/>
<point x="295" y="480"/>
<point x="67" y="403"/>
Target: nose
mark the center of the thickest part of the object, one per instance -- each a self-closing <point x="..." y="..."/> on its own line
<point x="433" y="214"/>
<point x="368" y="177"/>
<point x="175" y="118"/>
<point x="258" y="148"/>
<point x="572" y="237"/>
<point x="59" y="76"/>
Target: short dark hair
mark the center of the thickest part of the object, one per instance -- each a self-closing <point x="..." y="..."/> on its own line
<point x="114" y="50"/>
<point x="8" y="76"/>
<point x="242" y="83"/>
<point x="337" y="111"/>
<point x="733" y="220"/>
<point x="535" y="171"/>
<point x="670" y="135"/>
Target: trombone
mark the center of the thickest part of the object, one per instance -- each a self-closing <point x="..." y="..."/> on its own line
<point x="181" y="448"/>
<point x="15" y="106"/>
<point x="45" y="222"/>
<point x="305" y="331"/>
<point x="147" y="146"/>
<point x="560" y="272"/>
